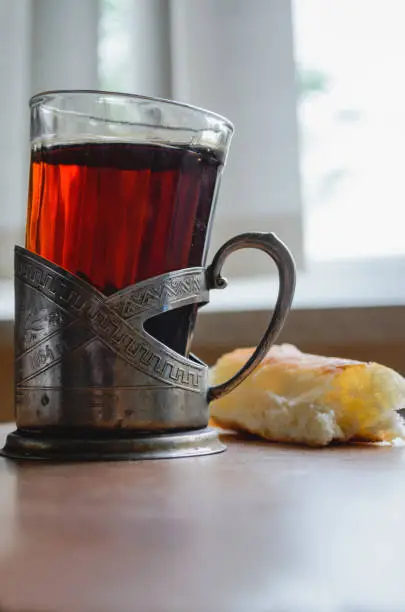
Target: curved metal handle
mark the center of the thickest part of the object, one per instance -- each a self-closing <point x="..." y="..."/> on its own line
<point x="270" y="244"/>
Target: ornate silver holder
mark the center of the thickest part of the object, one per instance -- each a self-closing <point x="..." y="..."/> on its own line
<point x="92" y="384"/>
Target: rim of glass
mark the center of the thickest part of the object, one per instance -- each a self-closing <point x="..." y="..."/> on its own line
<point x="52" y="92"/>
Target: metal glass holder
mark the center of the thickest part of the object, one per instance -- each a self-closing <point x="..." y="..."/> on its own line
<point x="92" y="384"/>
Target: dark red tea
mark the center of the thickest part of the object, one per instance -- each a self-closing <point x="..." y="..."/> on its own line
<point x="117" y="213"/>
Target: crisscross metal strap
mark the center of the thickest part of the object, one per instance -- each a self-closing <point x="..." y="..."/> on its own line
<point x="117" y="321"/>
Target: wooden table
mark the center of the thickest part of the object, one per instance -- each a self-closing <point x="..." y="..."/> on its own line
<point x="259" y="528"/>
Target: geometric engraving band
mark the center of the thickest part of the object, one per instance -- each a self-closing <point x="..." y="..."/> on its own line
<point x="80" y="314"/>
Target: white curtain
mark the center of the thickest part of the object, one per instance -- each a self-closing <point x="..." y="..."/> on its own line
<point x="230" y="56"/>
<point x="14" y="79"/>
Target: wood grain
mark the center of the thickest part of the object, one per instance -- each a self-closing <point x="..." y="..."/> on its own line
<point x="259" y="528"/>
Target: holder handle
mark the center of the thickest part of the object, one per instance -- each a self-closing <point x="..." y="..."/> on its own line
<point x="276" y="249"/>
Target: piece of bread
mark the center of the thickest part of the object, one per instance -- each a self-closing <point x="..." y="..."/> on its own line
<point x="308" y="399"/>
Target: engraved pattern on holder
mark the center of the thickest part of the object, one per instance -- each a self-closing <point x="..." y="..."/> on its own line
<point x="69" y="304"/>
<point x="147" y="299"/>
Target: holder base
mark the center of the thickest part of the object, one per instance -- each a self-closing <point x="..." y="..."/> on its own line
<point x="24" y="445"/>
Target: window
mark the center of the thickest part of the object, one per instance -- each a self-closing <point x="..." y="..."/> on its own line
<point x="350" y="113"/>
<point x="352" y="118"/>
<point x="315" y="90"/>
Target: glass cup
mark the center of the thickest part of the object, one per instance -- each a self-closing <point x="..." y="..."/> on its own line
<point x="123" y="188"/>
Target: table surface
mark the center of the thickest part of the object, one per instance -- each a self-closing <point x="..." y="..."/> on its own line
<point x="259" y="528"/>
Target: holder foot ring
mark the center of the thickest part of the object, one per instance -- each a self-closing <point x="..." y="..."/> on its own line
<point x="29" y="445"/>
